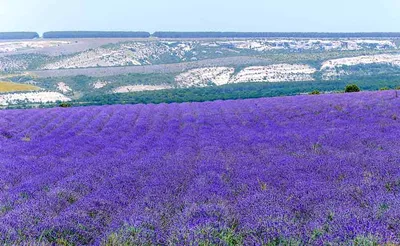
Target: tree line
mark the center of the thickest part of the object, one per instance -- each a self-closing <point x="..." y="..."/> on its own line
<point x="18" y="35"/>
<point x="275" y="35"/>
<point x="117" y="34"/>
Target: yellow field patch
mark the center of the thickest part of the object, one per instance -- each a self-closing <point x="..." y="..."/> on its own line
<point x="12" y="87"/>
<point x="12" y="75"/>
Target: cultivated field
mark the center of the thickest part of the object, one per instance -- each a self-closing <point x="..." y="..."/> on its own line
<point x="56" y="47"/>
<point x="13" y="87"/>
<point x="304" y="170"/>
<point x="28" y="46"/>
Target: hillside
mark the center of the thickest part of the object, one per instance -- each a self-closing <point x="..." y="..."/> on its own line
<point x="89" y="65"/>
<point x="290" y="170"/>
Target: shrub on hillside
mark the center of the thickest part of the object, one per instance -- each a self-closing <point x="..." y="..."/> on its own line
<point x="384" y="89"/>
<point x="315" y="92"/>
<point x="65" y="105"/>
<point x="352" y="88"/>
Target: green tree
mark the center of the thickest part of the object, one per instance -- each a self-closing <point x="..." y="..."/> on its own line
<point x="352" y="88"/>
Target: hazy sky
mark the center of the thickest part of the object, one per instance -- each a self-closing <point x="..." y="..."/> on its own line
<point x="201" y="15"/>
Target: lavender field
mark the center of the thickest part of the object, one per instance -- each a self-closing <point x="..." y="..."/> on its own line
<point x="280" y="171"/>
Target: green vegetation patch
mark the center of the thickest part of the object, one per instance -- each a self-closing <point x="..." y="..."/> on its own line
<point x="240" y="91"/>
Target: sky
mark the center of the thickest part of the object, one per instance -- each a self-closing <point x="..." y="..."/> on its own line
<point x="201" y="15"/>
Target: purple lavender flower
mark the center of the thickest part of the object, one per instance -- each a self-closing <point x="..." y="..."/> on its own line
<point x="293" y="170"/>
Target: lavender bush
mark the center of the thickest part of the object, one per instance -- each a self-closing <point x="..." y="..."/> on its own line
<point x="278" y="171"/>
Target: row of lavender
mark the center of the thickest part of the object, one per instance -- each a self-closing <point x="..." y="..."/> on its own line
<point x="295" y="170"/>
